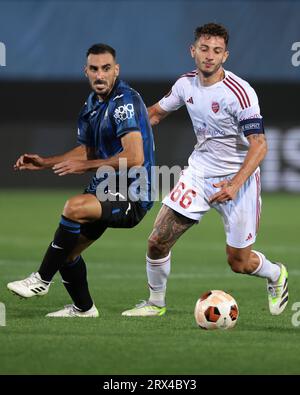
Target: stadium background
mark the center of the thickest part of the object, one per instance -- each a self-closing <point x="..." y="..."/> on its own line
<point x="43" y="87"/>
<point x="42" y="91"/>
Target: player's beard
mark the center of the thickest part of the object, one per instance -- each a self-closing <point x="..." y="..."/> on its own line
<point x="100" y="91"/>
<point x="105" y="91"/>
<point x="208" y="74"/>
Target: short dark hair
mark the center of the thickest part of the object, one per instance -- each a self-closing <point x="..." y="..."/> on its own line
<point x="97" y="49"/>
<point x="212" y="29"/>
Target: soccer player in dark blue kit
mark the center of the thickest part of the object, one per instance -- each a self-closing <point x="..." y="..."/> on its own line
<point x="113" y="127"/>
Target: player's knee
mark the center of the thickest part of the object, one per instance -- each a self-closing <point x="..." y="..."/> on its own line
<point x="156" y="248"/>
<point x="74" y="209"/>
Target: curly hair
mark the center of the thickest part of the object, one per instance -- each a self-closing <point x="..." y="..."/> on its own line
<point x="212" y="29"/>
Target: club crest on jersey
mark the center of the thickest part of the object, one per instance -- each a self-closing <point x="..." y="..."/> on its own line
<point x="215" y="106"/>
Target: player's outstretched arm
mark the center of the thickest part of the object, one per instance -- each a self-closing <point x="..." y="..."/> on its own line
<point x="133" y="152"/>
<point x="37" y="162"/>
<point x="156" y="114"/>
<point x="256" y="153"/>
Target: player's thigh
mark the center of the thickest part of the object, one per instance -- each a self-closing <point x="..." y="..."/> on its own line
<point x="122" y="213"/>
<point x="83" y="208"/>
<point x="188" y="196"/>
<point x="241" y="216"/>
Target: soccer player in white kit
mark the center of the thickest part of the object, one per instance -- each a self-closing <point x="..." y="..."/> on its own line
<point x="223" y="172"/>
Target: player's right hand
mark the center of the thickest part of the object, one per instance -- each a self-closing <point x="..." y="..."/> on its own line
<point x="30" y="162"/>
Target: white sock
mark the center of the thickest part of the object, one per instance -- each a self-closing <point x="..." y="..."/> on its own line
<point x="158" y="271"/>
<point x="266" y="269"/>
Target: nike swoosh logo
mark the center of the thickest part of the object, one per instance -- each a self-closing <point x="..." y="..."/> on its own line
<point x="117" y="97"/>
<point x="116" y="194"/>
<point x="55" y="246"/>
<point x="128" y="208"/>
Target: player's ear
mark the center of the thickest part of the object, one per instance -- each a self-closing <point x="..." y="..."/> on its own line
<point x="192" y="49"/>
<point x="117" y="70"/>
<point x="225" y="56"/>
<point x="85" y="71"/>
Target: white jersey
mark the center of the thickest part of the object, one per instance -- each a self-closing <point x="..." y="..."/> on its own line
<point x="215" y="112"/>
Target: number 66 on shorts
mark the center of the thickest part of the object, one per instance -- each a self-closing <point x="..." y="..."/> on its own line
<point x="190" y="197"/>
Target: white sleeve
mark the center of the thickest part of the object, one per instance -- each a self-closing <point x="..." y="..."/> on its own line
<point x="174" y="99"/>
<point x="246" y="106"/>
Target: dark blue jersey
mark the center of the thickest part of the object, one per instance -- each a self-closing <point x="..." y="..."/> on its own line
<point x="102" y="124"/>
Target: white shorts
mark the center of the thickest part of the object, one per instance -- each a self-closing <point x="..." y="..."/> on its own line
<point x="190" y="197"/>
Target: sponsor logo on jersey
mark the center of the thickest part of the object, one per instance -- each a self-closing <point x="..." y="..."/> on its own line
<point x="204" y="131"/>
<point x="190" y="100"/>
<point x="124" y="112"/>
<point x="215" y="106"/>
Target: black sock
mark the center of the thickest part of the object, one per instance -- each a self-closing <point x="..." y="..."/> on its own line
<point x="65" y="239"/>
<point x="75" y="281"/>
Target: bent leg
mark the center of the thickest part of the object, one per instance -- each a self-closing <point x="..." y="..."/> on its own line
<point x="168" y="228"/>
<point x="74" y="271"/>
<point x="74" y="276"/>
<point x="78" y="210"/>
<point x="82" y="244"/>
<point x="242" y="260"/>
<point x="64" y="254"/>
<point x="248" y="261"/>
<point x="83" y="208"/>
<point x="241" y="220"/>
<point x="245" y="260"/>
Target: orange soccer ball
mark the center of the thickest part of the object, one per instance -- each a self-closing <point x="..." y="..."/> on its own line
<point x="216" y="310"/>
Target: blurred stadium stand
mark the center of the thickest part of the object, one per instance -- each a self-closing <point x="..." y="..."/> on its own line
<point x="43" y="89"/>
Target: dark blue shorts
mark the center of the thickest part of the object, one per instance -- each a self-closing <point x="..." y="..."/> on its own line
<point x="115" y="214"/>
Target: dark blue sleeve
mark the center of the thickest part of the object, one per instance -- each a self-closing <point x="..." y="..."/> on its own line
<point x="126" y="114"/>
<point x="84" y="135"/>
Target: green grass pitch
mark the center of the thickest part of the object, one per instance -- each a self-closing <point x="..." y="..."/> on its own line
<point x="112" y="344"/>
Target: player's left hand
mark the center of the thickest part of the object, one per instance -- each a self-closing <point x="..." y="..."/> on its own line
<point x="228" y="192"/>
<point x="70" y="167"/>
